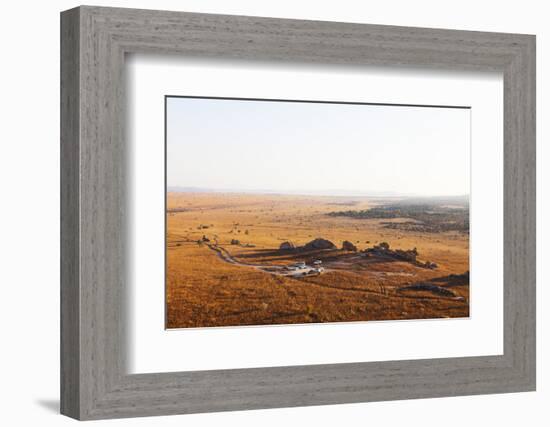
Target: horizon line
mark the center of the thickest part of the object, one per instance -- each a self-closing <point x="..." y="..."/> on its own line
<point x="327" y="193"/>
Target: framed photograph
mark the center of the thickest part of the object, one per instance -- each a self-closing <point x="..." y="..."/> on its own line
<point x="261" y="213"/>
<point x="341" y="221"/>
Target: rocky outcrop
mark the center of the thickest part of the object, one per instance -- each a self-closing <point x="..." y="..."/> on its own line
<point x="287" y="246"/>
<point x="319" y="243"/>
<point x="410" y="255"/>
<point x="348" y="246"/>
<point x="235" y="242"/>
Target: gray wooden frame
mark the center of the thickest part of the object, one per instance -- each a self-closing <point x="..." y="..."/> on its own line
<point x="94" y="382"/>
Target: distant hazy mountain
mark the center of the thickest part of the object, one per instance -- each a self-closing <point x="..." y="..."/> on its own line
<point x="463" y="200"/>
<point x="334" y="192"/>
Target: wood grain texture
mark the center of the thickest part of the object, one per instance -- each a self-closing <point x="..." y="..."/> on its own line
<point x="70" y="220"/>
<point x="94" y="235"/>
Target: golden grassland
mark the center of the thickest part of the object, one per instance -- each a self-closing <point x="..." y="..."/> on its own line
<point x="202" y="289"/>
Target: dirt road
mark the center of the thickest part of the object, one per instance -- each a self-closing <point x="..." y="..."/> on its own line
<point x="271" y="269"/>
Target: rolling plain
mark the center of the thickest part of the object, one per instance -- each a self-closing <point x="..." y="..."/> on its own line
<point x="233" y="259"/>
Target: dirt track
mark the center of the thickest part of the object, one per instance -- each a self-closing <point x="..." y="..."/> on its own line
<point x="224" y="255"/>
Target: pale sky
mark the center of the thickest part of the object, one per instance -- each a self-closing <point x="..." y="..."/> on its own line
<point x="316" y="148"/>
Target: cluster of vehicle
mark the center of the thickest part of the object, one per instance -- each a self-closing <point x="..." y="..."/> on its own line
<point x="302" y="269"/>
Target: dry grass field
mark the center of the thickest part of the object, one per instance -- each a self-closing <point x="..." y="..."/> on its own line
<point x="225" y="266"/>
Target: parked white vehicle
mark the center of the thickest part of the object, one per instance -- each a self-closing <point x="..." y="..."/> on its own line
<point x="302" y="269"/>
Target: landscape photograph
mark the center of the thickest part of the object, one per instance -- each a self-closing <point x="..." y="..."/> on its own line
<point x="301" y="212"/>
